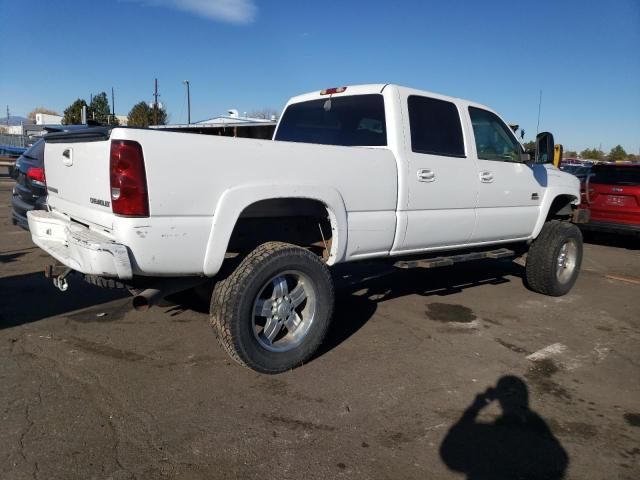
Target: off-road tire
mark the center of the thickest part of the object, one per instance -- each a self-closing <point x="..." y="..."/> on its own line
<point x="232" y="303"/>
<point x="542" y="259"/>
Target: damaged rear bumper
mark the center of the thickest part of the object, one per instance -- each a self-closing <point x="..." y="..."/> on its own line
<point x="79" y="247"/>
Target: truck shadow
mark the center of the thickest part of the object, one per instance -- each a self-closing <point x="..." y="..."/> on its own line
<point x="361" y="288"/>
<point x="31" y="297"/>
<point x="615" y="240"/>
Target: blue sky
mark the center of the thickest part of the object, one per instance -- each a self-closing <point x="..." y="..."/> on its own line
<point x="250" y="54"/>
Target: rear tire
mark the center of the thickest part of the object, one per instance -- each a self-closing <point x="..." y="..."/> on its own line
<point x="554" y="259"/>
<point x="272" y="312"/>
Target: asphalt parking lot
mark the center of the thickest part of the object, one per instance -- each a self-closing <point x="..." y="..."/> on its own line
<point x="93" y="390"/>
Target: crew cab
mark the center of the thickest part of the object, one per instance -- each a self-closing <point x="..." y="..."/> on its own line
<point x="384" y="172"/>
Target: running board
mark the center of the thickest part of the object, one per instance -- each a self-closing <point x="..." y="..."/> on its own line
<point x="451" y="259"/>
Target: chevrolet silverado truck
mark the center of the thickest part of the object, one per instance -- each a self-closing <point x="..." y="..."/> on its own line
<point x="383" y="172"/>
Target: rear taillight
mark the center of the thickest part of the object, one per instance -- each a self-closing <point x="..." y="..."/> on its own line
<point x="36" y="175"/>
<point x="129" y="195"/>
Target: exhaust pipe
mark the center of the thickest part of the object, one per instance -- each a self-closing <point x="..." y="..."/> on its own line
<point x="151" y="296"/>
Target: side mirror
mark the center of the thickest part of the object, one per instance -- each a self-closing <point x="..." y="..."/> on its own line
<point x="544" y="148"/>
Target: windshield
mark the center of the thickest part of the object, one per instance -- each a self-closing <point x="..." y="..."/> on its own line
<point x="616" y="175"/>
<point x="356" y="120"/>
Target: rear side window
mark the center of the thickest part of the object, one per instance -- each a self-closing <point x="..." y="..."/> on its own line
<point x="435" y="127"/>
<point x="356" y="120"/>
<point x="615" y="175"/>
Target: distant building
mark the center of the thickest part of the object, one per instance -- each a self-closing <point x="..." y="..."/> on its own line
<point x="48" y="119"/>
<point x="123" y="120"/>
<point x="14" y="130"/>
<point x="233" y="118"/>
<point x="229" y="125"/>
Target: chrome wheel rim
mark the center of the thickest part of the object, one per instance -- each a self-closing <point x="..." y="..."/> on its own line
<point x="284" y="311"/>
<point x="566" y="261"/>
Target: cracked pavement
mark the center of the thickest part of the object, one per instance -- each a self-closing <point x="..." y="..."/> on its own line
<point x="93" y="390"/>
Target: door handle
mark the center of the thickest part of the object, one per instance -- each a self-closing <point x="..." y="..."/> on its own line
<point x="67" y="157"/>
<point x="426" y="175"/>
<point x="486" y="177"/>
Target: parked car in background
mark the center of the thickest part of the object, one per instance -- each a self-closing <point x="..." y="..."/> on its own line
<point x="580" y="170"/>
<point x="612" y="195"/>
<point x="29" y="192"/>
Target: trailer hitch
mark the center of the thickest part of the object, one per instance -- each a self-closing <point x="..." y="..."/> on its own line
<point x="58" y="273"/>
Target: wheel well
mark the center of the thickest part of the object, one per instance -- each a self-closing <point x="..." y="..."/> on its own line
<point x="299" y="221"/>
<point x="561" y="207"/>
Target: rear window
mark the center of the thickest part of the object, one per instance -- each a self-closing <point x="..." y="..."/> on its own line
<point x="356" y="120"/>
<point x="616" y="175"/>
<point x="36" y="151"/>
<point x="435" y="127"/>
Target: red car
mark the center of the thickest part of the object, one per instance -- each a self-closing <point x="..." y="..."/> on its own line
<point x="612" y="195"/>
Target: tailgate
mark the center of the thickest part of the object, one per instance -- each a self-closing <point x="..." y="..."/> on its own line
<point x="615" y="203"/>
<point x="77" y="174"/>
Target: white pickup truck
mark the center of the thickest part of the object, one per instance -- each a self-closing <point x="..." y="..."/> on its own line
<point x="360" y="172"/>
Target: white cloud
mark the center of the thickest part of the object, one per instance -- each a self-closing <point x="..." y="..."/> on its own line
<point x="233" y="11"/>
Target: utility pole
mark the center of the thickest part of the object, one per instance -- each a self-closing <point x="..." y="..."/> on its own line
<point x="7" y="115"/>
<point x="539" y="109"/>
<point x="113" y="106"/>
<point x="186" y="82"/>
<point x="155" y="103"/>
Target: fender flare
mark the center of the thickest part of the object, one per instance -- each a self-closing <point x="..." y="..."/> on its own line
<point x="550" y="195"/>
<point x="233" y="201"/>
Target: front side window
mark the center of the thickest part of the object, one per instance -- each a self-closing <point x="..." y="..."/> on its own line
<point x="356" y="120"/>
<point x="435" y="127"/>
<point x="494" y="140"/>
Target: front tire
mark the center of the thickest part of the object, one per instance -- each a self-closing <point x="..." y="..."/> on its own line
<point x="272" y="312"/>
<point x="554" y="259"/>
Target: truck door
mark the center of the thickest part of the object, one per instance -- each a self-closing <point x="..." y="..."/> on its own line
<point x="441" y="182"/>
<point x="509" y="191"/>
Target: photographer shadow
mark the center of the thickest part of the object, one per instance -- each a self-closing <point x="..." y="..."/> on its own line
<point x="517" y="445"/>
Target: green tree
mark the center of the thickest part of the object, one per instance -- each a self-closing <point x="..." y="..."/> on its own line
<point x="570" y="154"/>
<point x="530" y="145"/>
<point x="592" y="154"/>
<point x="617" y="154"/>
<point x="100" y="111"/>
<point x="73" y="113"/>
<point x="141" y="115"/>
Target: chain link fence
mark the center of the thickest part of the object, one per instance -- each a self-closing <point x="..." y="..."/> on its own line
<point x="10" y="140"/>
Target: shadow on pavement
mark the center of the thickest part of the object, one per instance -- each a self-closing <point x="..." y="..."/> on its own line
<point x="31" y="297"/>
<point x="361" y="287"/>
<point x="627" y="241"/>
<point x="11" y="257"/>
<point x="516" y="445"/>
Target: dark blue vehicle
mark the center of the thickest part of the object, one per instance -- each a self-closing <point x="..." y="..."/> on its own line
<point x="30" y="191"/>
